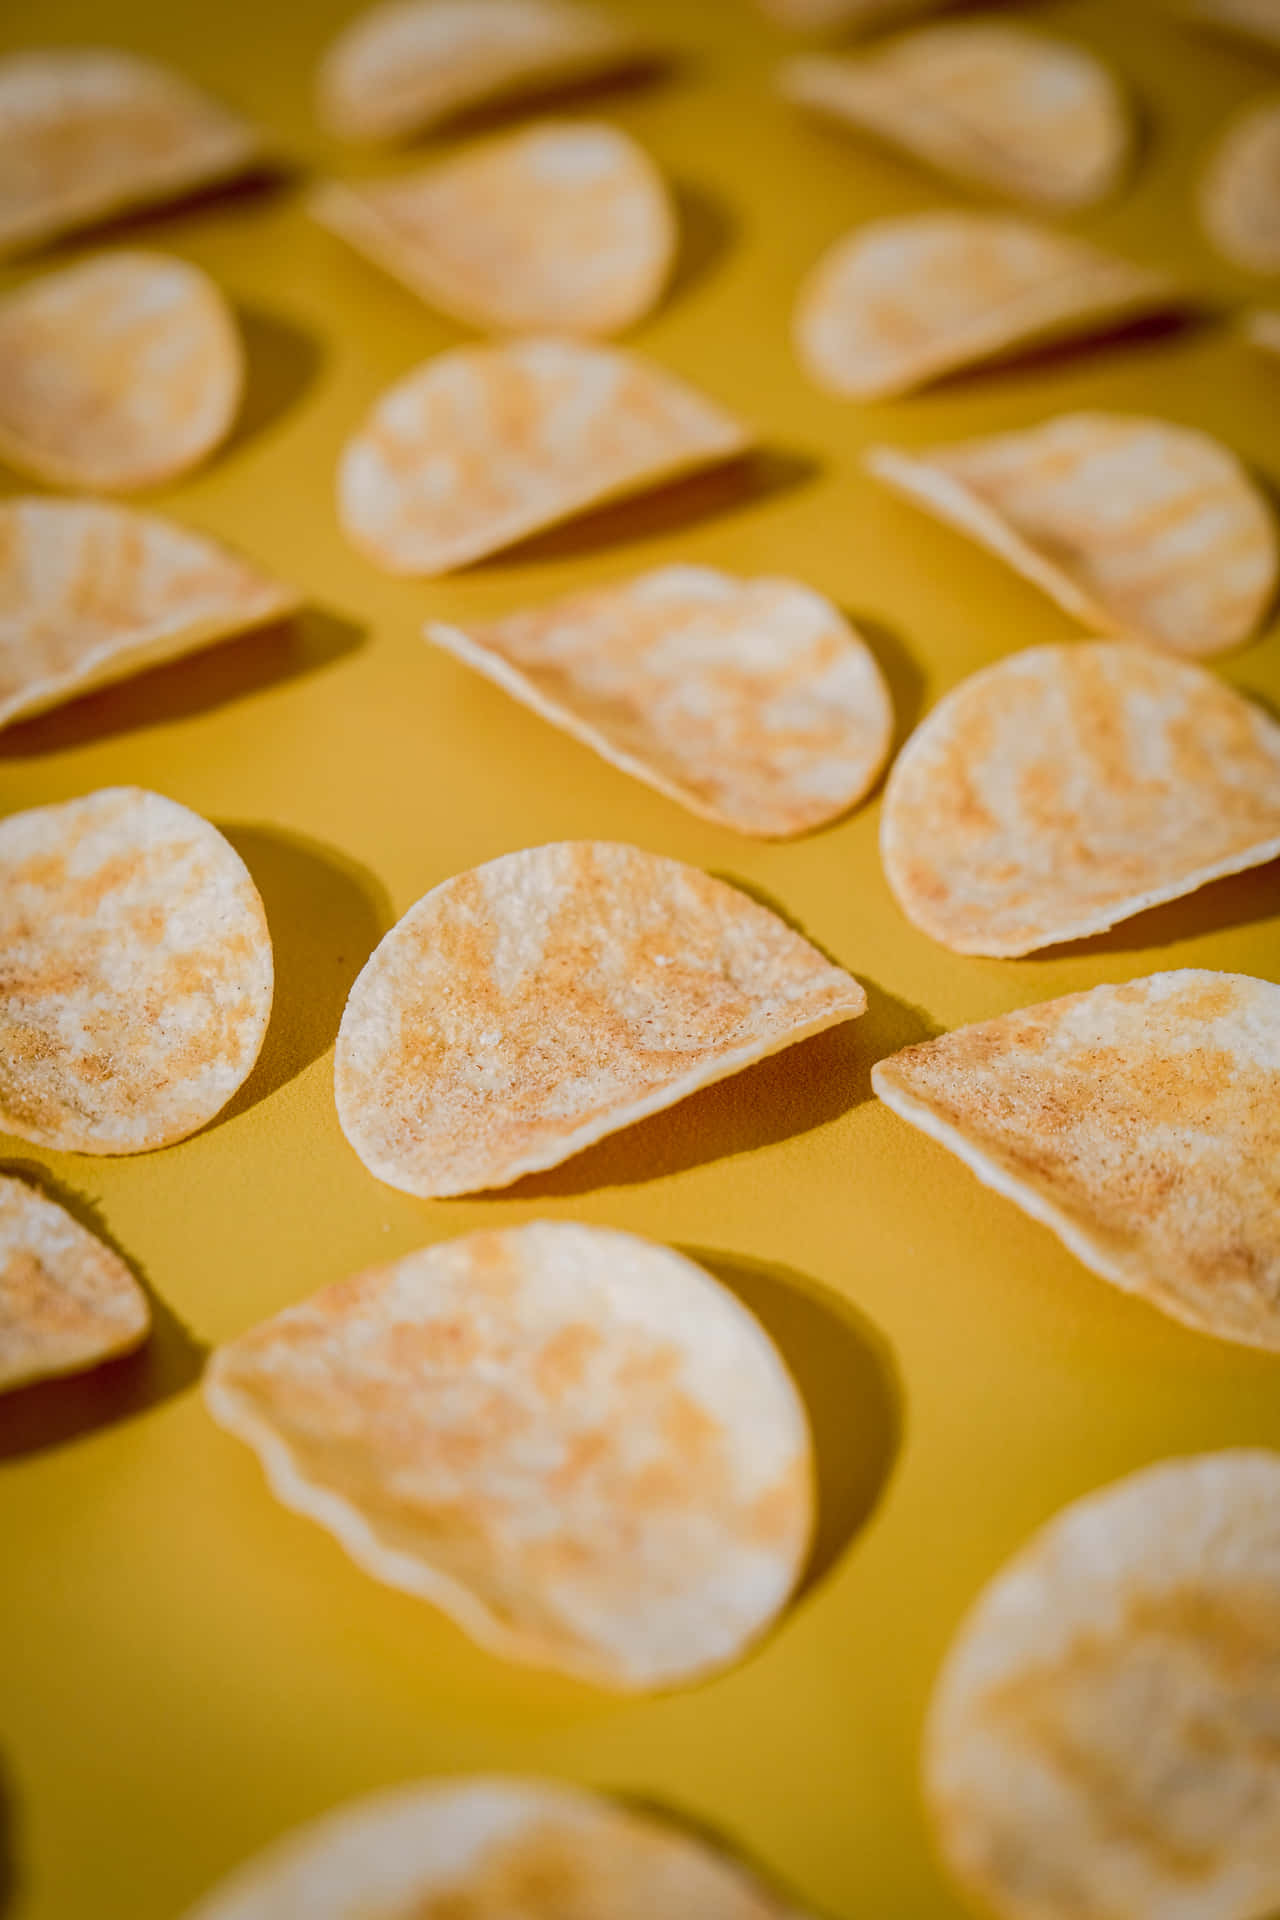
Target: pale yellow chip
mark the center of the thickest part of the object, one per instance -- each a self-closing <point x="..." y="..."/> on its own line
<point x="1100" y="1741"/>
<point x="1262" y="329"/>
<point x="1067" y="788"/>
<point x="1240" y="192"/>
<point x="1140" y="1122"/>
<point x="484" y="446"/>
<point x="867" y="15"/>
<point x="137" y="975"/>
<point x="903" y="301"/>
<point x="1135" y="526"/>
<point x="66" y="1300"/>
<point x="1253" y="19"/>
<point x="120" y="372"/>
<point x="576" y="1443"/>
<point x="523" y="1010"/>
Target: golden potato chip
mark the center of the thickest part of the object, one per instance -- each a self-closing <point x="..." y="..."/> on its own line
<point x="122" y="371"/>
<point x="902" y="301"/>
<point x="523" y="1010"/>
<point x="1040" y="119"/>
<point x="751" y="701"/>
<point x="90" y="593"/>
<point x="66" y="1300"/>
<point x="1254" y="19"/>
<point x="565" y="227"/>
<point x="90" y="132"/>
<point x="483" y="446"/>
<point x="576" y="1443"/>
<point x="1240" y="191"/>
<point x="137" y="977"/>
<point x="855" y="14"/>
<point x="1262" y="329"/>
<point x="1137" y="527"/>
<point x="1140" y="1122"/>
<point x="1100" y="1738"/>
<point x="1067" y="788"/>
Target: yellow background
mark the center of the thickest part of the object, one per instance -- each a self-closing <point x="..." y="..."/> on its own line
<point x="185" y="1668"/>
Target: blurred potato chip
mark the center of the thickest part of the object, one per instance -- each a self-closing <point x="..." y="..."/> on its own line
<point x="90" y="132"/>
<point x="136" y="980"/>
<point x="900" y="302"/>
<point x="1137" y="527"/>
<point x="1254" y="19"/>
<point x="1099" y="1742"/>
<point x="523" y="1010"/>
<point x="1139" y="1123"/>
<point x="122" y="371"/>
<point x="564" y="227"/>
<point x="1240" y="190"/>
<point x="66" y="1300"/>
<point x="1262" y="329"/>
<point x="866" y="15"/>
<point x="486" y="445"/>
<point x="1067" y="788"/>
<point x="576" y="1443"/>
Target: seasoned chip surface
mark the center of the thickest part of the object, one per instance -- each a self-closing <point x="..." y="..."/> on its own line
<point x="66" y="1300"/>
<point x="1066" y="788"/>
<point x="525" y="1009"/>
<point x="1100" y="1740"/>
<point x="1240" y="192"/>
<point x="575" y="1442"/>
<point x="135" y="972"/>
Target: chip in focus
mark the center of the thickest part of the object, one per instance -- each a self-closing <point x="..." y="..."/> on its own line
<point x="67" y="1302"/>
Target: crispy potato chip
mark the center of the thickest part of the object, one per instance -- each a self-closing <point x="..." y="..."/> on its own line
<point x="1135" y="526"/>
<point x="1039" y="119"/>
<point x="1262" y="329"/>
<point x="87" y="132"/>
<point x="1141" y="1123"/>
<point x="1254" y="19"/>
<point x="855" y="14"/>
<point x="565" y="227"/>
<point x="1240" y="192"/>
<point x="136" y="979"/>
<point x="523" y="1010"/>
<point x="122" y="371"/>
<point x="1067" y="788"/>
<point x="900" y="302"/>
<point x="1099" y="1742"/>
<point x="751" y="701"/>
<point x="576" y="1443"/>
<point x="483" y="446"/>
<point x="66" y="1300"/>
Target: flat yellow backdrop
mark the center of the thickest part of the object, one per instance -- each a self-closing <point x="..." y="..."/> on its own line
<point x="185" y="1668"/>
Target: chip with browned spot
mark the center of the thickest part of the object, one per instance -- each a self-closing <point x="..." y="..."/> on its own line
<point x="67" y="1301"/>
<point x="1240" y="190"/>
<point x="1251" y="19"/>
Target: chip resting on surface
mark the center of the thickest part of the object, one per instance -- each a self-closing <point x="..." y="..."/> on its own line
<point x="1240" y="190"/>
<point x="1099" y="1741"/>
<point x="135" y="973"/>
<point x="523" y="1010"/>
<point x="484" y="446"/>
<point x="903" y="301"/>
<point x="1262" y="329"/>
<point x="66" y="1300"/>
<point x="563" y="227"/>
<point x="1039" y="119"/>
<point x="122" y="371"/>
<point x="1254" y="19"/>
<point x="576" y="1443"/>
<point x="1135" y="526"/>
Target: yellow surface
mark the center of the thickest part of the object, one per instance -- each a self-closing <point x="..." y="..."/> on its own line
<point x="186" y="1669"/>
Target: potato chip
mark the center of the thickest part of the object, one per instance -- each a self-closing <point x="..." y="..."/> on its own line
<point x="1039" y="119"/>
<point x="1100" y="1738"/>
<point x="1254" y="19"/>
<point x="865" y="14"/>
<point x="89" y="132"/>
<point x="66" y="1300"/>
<point x="751" y="701"/>
<point x="1137" y="527"/>
<point x="136" y="979"/>
<point x="1240" y="191"/>
<point x="122" y="371"/>
<point x="1067" y="788"/>
<point x="901" y="302"/>
<point x="523" y="1010"/>
<point x="1262" y="329"/>
<point x="483" y="446"/>
<point x="575" y="1443"/>
<point x="1140" y="1122"/>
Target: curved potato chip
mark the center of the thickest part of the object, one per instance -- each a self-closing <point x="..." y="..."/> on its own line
<point x="1040" y="119"/>
<point x="122" y="371"/>
<point x="1254" y="19"/>
<point x="406" y="65"/>
<point x="1240" y="192"/>
<point x="1139" y="1123"/>
<point x="137" y="977"/>
<point x="1262" y="329"/>
<point x="483" y="446"/>
<point x="902" y="301"/>
<point x="66" y="1300"/>
<point x="523" y="1010"/>
<point x="576" y="1443"/>
<point x="91" y="593"/>
<point x="89" y="132"/>
<point x="751" y="701"/>
<point x="1067" y="788"/>
<point x="1099" y="1741"/>
<point x="1137" y="527"/>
